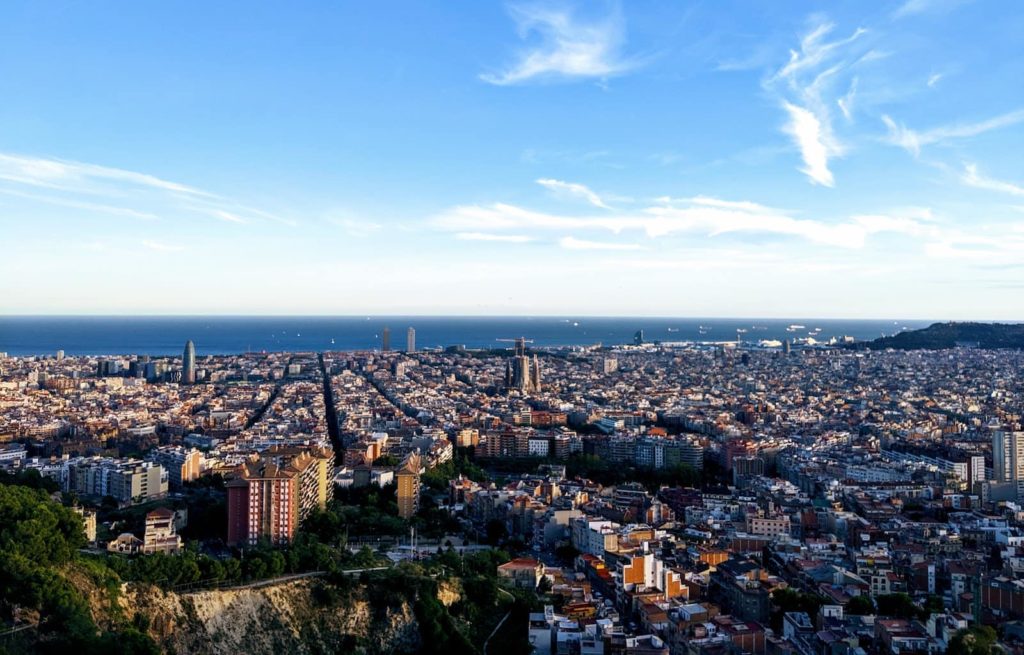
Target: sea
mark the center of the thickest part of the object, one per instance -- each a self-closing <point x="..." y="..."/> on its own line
<point x="222" y="335"/>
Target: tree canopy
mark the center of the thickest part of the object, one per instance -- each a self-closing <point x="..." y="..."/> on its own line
<point x="39" y="538"/>
<point x="977" y="640"/>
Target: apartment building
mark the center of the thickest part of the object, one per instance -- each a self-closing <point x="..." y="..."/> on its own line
<point x="409" y="487"/>
<point x="160" y="535"/>
<point x="182" y="464"/>
<point x="768" y="526"/>
<point x="274" y="491"/>
<point x="127" y="481"/>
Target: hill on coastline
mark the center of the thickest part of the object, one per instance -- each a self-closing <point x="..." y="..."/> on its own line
<point x="950" y="335"/>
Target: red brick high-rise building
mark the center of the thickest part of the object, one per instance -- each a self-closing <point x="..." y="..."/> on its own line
<point x="274" y="492"/>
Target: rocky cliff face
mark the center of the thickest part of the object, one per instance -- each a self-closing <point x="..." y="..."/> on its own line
<point x="286" y="618"/>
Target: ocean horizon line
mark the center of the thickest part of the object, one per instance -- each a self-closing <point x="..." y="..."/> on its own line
<point x="694" y="317"/>
<point x="231" y="334"/>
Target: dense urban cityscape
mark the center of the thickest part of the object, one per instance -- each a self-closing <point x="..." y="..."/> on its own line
<point x="514" y="327"/>
<point x="678" y="498"/>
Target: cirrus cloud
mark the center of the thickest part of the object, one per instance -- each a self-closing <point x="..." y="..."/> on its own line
<point x="568" y="49"/>
<point x="805" y="89"/>
<point x="485" y="236"/>
<point x="572" y="243"/>
<point x="575" y="190"/>
<point x="912" y="140"/>
<point x="702" y="215"/>
<point x="971" y="177"/>
<point x="79" y="185"/>
<point x="162" y="247"/>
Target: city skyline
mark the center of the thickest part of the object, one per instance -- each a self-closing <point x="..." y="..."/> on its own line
<point x="605" y="327"/>
<point x="612" y="159"/>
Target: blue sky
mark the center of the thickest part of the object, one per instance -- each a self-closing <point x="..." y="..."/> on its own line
<point x="829" y="159"/>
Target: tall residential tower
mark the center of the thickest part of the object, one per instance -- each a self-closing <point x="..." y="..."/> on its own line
<point x="1008" y="457"/>
<point x="408" y="479"/>
<point x="188" y="363"/>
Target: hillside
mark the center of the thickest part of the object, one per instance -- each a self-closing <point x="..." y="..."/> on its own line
<point x="301" y="616"/>
<point x="56" y="599"/>
<point x="950" y="335"/>
<point x="410" y="609"/>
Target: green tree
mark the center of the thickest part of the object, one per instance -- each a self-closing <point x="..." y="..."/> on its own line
<point x="496" y="531"/>
<point x="791" y="600"/>
<point x="860" y="606"/>
<point x="934" y="605"/>
<point x="567" y="554"/>
<point x="30" y="478"/>
<point x="995" y="558"/>
<point x="37" y="528"/>
<point x="386" y="460"/>
<point x="39" y="542"/>
<point x="900" y="606"/>
<point x="977" y="640"/>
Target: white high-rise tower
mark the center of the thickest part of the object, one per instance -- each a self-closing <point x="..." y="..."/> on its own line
<point x="1008" y="457"/>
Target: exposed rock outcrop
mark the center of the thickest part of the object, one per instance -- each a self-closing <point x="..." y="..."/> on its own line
<point x="283" y="618"/>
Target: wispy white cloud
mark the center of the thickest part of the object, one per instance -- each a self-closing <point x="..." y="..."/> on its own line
<point x="703" y="219"/>
<point x="78" y="176"/>
<point x="914" y="7"/>
<point x="667" y="158"/>
<point x="912" y="140"/>
<point x="356" y="227"/>
<point x="575" y="190"/>
<point x="971" y="177"/>
<point x="248" y="214"/>
<point x="705" y="216"/>
<point x="223" y="215"/>
<point x="569" y="48"/>
<point x="806" y="89"/>
<point x="542" y="155"/>
<point x="915" y="223"/>
<point x="704" y="260"/>
<point x="815" y="144"/>
<point x="161" y="247"/>
<point x="759" y="57"/>
<point x="815" y="51"/>
<point x="81" y="204"/>
<point x="934" y="79"/>
<point x="846" y="102"/>
<point x="230" y="211"/>
<point x="572" y="243"/>
<point x="484" y="236"/>
<point x="989" y="251"/>
<point x="708" y="201"/>
<point x="79" y="185"/>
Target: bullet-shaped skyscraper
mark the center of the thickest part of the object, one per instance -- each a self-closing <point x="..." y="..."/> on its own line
<point x="188" y="363"/>
<point x="410" y="340"/>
